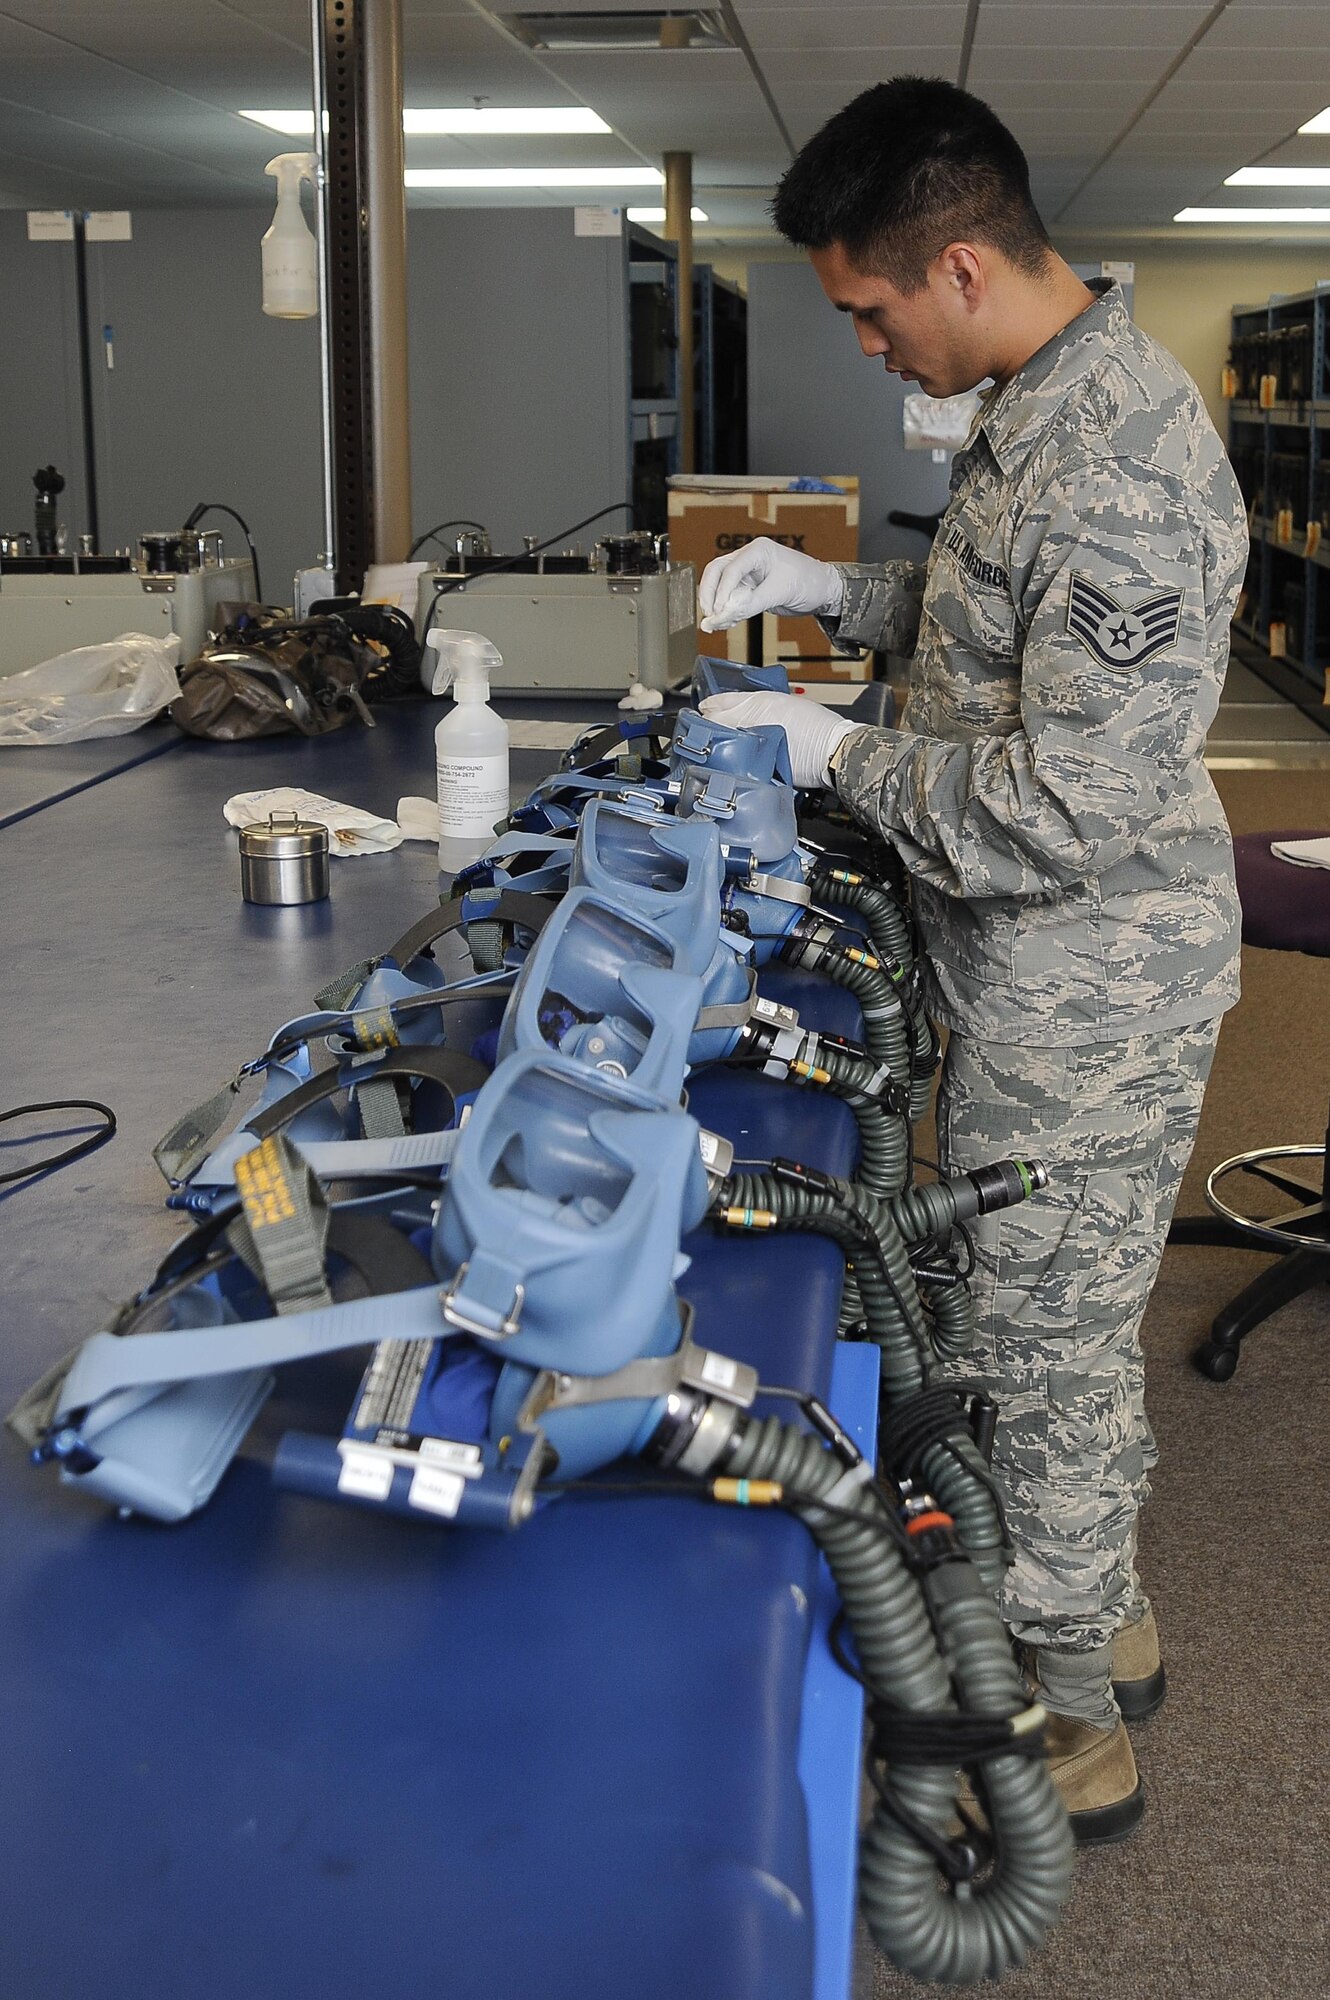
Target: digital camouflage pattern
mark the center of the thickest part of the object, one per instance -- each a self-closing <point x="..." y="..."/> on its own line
<point x="1072" y="867"/>
<point x="1073" y="879"/>
<point x="1061" y="1283"/>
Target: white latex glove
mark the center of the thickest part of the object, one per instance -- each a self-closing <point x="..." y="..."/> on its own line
<point x="811" y="730"/>
<point x="766" y="576"/>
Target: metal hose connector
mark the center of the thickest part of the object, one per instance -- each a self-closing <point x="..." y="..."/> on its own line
<point x="886" y="1035"/>
<point x="889" y="928"/>
<point x="927" y="1925"/>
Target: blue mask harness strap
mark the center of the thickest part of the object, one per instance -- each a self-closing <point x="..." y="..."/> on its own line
<point x="459" y="1075"/>
<point x="341" y="1159"/>
<point x="108" y="1363"/>
<point x="511" y="906"/>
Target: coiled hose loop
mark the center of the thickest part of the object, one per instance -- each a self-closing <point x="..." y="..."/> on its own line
<point x="890" y="930"/>
<point x="925" y="1924"/>
<point x="886" y="1297"/>
<point x="884" y="1134"/>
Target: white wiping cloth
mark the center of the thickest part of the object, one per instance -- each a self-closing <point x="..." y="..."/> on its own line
<point x="418" y="818"/>
<point x="1305" y="853"/>
<point x="350" y="830"/>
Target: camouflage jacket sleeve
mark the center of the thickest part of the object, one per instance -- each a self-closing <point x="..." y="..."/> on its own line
<point x="1110" y="547"/>
<point x="880" y="608"/>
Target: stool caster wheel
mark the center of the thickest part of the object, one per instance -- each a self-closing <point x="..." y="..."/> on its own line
<point x="1219" y="1363"/>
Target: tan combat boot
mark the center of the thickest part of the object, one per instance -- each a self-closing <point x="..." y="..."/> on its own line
<point x="1139" y="1684"/>
<point x="1095" y="1776"/>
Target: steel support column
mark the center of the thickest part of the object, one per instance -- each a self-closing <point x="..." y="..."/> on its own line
<point x="365" y="301"/>
<point x="679" y="229"/>
<point x="385" y="193"/>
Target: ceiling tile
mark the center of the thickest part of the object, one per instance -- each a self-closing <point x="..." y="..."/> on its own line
<point x="854" y="69"/>
<point x="903" y="30"/>
<point x="1114" y="69"/>
<point x="1072" y="24"/>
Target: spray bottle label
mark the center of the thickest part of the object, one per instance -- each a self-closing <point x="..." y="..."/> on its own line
<point x="473" y="795"/>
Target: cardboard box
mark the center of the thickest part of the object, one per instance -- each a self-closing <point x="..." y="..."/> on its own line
<point x="713" y="514"/>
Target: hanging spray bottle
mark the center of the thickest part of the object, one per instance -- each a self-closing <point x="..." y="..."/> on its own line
<point x="290" y="253"/>
<point x="470" y="749"/>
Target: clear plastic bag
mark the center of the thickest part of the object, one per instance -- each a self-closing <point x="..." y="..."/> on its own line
<point x="93" y="691"/>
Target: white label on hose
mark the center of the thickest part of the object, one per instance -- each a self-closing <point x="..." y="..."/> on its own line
<point x="437" y="1492"/>
<point x="473" y="795"/>
<point x="720" y="1370"/>
<point x="365" y="1475"/>
<point x="441" y="1453"/>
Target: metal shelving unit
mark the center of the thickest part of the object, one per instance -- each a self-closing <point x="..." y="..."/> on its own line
<point x="720" y="347"/>
<point x="1279" y="442"/>
<point x="653" y="373"/>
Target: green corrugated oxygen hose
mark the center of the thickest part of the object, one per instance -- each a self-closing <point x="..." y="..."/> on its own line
<point x="874" y="1236"/>
<point x="890" y="930"/>
<point x="927" y="1921"/>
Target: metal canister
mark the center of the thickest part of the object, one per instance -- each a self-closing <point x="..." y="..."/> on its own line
<point x="284" y="860"/>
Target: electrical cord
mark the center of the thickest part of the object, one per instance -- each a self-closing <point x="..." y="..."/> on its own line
<point x="438" y="529"/>
<point x="75" y="1152"/>
<point x="220" y="507"/>
<point x="510" y="562"/>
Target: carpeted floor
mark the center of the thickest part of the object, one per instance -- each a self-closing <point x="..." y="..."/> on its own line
<point x="1222" y="1894"/>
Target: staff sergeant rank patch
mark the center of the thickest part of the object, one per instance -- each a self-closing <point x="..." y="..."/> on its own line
<point x="1122" y="635"/>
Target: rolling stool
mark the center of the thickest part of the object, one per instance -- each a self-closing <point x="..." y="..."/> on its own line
<point x="1284" y="908"/>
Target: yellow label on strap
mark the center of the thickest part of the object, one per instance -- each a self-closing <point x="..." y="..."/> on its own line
<point x="263" y="1187"/>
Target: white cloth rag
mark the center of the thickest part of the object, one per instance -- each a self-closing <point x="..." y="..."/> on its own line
<point x="418" y="818"/>
<point x="642" y="697"/>
<point x="350" y="830"/>
<point x="1305" y="853"/>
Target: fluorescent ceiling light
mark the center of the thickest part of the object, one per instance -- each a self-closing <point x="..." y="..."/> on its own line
<point x="532" y="177"/>
<point x="560" y="118"/>
<point x="1279" y="177"/>
<point x="297" y="124"/>
<point x="658" y="215"/>
<point x="1320" y="123"/>
<point x="620" y="29"/>
<point x="554" y="118"/>
<point x="1252" y="215"/>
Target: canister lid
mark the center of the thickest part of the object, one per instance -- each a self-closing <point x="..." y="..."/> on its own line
<point x="284" y="837"/>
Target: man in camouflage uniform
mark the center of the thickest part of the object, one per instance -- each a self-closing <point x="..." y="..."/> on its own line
<point x="1071" y="866"/>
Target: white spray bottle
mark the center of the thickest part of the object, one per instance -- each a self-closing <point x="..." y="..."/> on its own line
<point x="290" y="254"/>
<point x="470" y="749"/>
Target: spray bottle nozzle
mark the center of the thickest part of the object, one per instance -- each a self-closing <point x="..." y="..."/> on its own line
<point x="289" y="169"/>
<point x="467" y="660"/>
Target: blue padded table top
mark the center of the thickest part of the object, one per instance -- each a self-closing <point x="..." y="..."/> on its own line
<point x="32" y="779"/>
<point x="289" y="1749"/>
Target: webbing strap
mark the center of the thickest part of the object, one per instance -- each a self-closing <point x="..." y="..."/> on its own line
<point x="458" y="1074"/>
<point x="340" y="1159"/>
<point x="106" y="1363"/>
<point x="737" y="1014"/>
<point x="181" y="1149"/>
<point x="512" y="906"/>
<point x="612" y="739"/>
<point x="282" y="1230"/>
<point x="334" y="996"/>
<point x="380" y="1110"/>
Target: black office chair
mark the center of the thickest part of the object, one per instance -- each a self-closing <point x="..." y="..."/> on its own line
<point x="1284" y="908"/>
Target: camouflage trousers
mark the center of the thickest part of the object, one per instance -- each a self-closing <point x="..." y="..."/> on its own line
<point x="1061" y="1284"/>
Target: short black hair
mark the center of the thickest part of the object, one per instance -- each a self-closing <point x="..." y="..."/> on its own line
<point x="906" y="168"/>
